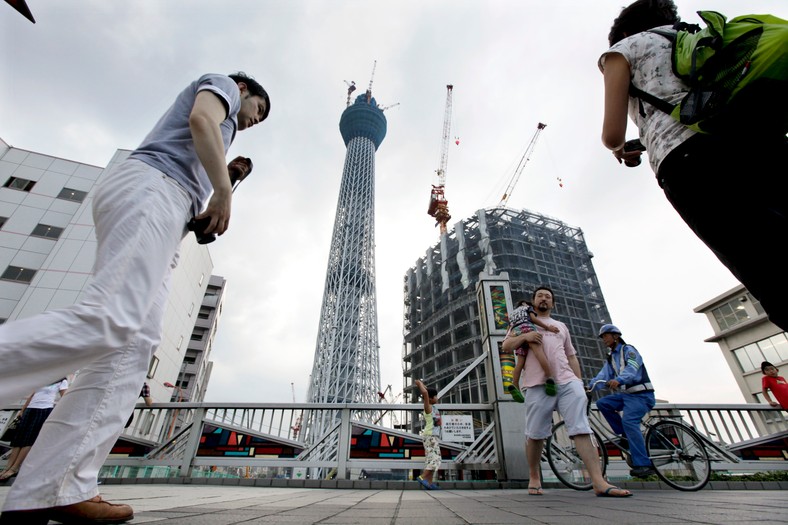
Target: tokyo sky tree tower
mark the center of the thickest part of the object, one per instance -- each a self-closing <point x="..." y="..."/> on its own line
<point x="346" y="368"/>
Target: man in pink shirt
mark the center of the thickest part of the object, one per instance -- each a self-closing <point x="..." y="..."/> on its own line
<point x="570" y="400"/>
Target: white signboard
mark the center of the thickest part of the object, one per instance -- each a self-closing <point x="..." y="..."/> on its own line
<point x="457" y="429"/>
<point x="5" y="418"/>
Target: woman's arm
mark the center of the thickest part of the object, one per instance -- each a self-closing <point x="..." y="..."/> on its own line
<point x="614" y="124"/>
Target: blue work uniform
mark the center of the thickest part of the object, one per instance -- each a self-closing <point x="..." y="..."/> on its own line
<point x="634" y="398"/>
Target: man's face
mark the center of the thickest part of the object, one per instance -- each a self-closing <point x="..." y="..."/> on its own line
<point x="608" y="340"/>
<point x="543" y="300"/>
<point x="252" y="109"/>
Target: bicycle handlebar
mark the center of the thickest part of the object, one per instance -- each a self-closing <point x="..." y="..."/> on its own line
<point x="594" y="384"/>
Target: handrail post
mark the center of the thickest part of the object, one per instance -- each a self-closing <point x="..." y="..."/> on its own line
<point x="190" y="452"/>
<point x="343" y="450"/>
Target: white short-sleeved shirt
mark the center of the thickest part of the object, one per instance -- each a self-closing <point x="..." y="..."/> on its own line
<point x="45" y="397"/>
<point x="649" y="58"/>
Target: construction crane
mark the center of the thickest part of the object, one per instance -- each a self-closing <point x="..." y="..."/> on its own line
<point x="523" y="161"/>
<point x="371" y="78"/>
<point x="351" y="87"/>
<point x="439" y="206"/>
<point x="391" y="400"/>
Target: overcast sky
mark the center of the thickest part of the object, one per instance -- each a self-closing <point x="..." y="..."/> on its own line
<point x="92" y="76"/>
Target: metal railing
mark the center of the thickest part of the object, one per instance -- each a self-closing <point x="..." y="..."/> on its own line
<point x="264" y="440"/>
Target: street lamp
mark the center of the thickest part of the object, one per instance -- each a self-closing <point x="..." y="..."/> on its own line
<point x="180" y="391"/>
<point x="177" y="410"/>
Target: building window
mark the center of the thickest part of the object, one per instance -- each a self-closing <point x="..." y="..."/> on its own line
<point x="2" y="221"/>
<point x="773" y="349"/>
<point x="180" y="342"/>
<point x="18" y="274"/>
<point x="197" y="336"/>
<point x="47" y="231"/>
<point x="154" y="365"/>
<point x="731" y="313"/>
<point x="72" y="195"/>
<point x="17" y="183"/>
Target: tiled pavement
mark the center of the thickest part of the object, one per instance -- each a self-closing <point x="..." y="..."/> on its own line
<point x="204" y="504"/>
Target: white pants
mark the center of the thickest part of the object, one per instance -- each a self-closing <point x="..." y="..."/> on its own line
<point x="109" y="336"/>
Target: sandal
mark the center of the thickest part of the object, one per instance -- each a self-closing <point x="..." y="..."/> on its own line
<point x="8" y="473"/>
<point x="608" y="494"/>
<point x="515" y="393"/>
<point x="535" y="491"/>
<point x="550" y="387"/>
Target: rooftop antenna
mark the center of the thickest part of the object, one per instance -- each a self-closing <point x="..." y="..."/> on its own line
<point x="351" y="87"/>
<point x="371" y="78"/>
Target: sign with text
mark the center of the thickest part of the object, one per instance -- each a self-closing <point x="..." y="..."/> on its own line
<point x="457" y="429"/>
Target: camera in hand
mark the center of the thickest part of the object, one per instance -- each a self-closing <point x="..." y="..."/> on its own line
<point x="633" y="145"/>
<point x="198" y="227"/>
<point x="238" y="169"/>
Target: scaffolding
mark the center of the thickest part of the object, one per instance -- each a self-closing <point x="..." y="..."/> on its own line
<point x="441" y="318"/>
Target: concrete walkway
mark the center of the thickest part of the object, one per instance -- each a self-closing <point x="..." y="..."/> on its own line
<point x="223" y="505"/>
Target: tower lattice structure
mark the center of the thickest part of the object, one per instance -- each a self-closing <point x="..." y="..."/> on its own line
<point x="346" y="366"/>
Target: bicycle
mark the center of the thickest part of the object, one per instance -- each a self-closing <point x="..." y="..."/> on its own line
<point x="677" y="452"/>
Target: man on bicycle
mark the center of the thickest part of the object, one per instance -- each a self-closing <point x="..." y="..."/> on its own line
<point x="631" y="394"/>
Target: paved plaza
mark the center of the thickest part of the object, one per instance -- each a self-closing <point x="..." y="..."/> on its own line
<point x="223" y="505"/>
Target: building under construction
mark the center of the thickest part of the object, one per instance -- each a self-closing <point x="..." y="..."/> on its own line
<point x="441" y="319"/>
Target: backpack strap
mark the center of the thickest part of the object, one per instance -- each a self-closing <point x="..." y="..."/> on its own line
<point x="641" y="95"/>
<point x="657" y="102"/>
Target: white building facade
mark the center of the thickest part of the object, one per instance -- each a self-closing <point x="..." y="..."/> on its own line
<point x="746" y="338"/>
<point x="47" y="252"/>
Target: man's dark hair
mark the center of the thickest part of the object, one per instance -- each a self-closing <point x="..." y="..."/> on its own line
<point x="533" y="296"/>
<point x="254" y="88"/>
<point x="432" y="392"/>
<point x="641" y="16"/>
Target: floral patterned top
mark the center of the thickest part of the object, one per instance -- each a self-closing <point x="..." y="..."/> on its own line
<point x="649" y="58"/>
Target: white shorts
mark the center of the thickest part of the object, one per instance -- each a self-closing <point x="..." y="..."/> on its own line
<point x="570" y="401"/>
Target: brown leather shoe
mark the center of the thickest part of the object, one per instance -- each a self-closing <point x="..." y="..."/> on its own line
<point x="94" y="510"/>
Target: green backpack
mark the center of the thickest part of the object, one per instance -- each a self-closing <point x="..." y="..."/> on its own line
<point x="737" y="72"/>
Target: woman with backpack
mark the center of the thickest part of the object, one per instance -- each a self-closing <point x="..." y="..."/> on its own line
<point x="728" y="186"/>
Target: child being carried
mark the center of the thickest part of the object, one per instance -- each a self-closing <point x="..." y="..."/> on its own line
<point x="522" y="321"/>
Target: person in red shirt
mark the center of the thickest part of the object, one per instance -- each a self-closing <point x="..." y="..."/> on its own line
<point x="777" y="385"/>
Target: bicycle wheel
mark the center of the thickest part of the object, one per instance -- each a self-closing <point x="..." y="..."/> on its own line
<point x="565" y="462"/>
<point x="678" y="455"/>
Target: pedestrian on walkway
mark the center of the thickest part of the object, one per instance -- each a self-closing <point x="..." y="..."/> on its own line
<point x="570" y="400"/>
<point x="140" y="209"/>
<point x="775" y="383"/>
<point x="701" y="174"/>
<point x="34" y="413"/>
<point x="431" y="434"/>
